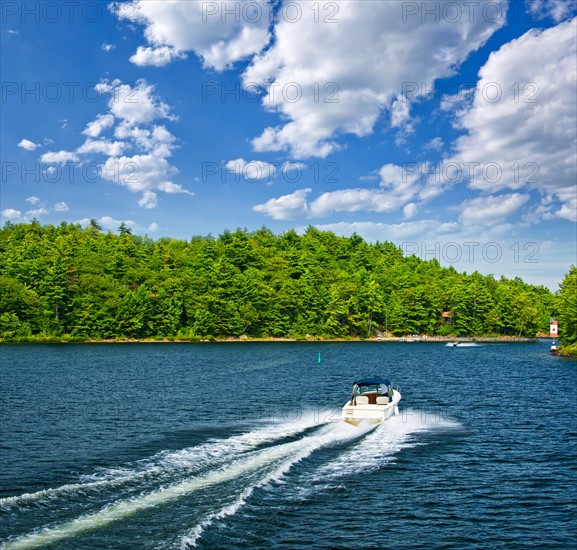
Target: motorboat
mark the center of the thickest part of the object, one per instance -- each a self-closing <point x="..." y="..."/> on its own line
<point x="372" y="400"/>
<point x="553" y="348"/>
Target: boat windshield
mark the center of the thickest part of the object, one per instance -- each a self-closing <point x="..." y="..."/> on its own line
<point x="367" y="388"/>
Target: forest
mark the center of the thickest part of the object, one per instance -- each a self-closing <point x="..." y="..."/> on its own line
<point x="72" y="283"/>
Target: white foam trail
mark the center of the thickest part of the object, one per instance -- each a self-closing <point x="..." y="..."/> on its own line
<point x="377" y="445"/>
<point x="115" y="512"/>
<point x="380" y="447"/>
<point x="337" y="433"/>
<point x="190" y="459"/>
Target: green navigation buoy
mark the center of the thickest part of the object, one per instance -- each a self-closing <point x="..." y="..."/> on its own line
<point x="319" y="358"/>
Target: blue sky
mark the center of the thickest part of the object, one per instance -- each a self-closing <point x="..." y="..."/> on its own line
<point x="447" y="127"/>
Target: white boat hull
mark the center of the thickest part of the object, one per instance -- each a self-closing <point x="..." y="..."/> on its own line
<point x="373" y="414"/>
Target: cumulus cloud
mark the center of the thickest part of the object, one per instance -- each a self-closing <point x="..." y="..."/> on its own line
<point x="171" y="188"/>
<point x="134" y="104"/>
<point x="157" y="57"/>
<point x="353" y="200"/>
<point x="287" y="207"/>
<point x="521" y="128"/>
<point x="138" y="173"/>
<point x="149" y="199"/>
<point x="59" y="157"/>
<point x="253" y="170"/>
<point x="11" y="214"/>
<point x="103" y="146"/>
<point x="33" y="200"/>
<point x="491" y="210"/>
<point x="108" y="47"/>
<point x="132" y="119"/>
<point x="397" y="188"/>
<point x="35" y="212"/>
<point x="220" y="33"/>
<point x="29" y="145"/>
<point x="96" y="127"/>
<point x="346" y="72"/>
<point x="61" y="207"/>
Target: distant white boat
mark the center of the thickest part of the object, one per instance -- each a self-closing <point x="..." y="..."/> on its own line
<point x="372" y="400"/>
<point x="553" y="348"/>
<point x="457" y="344"/>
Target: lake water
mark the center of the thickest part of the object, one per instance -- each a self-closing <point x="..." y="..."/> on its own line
<point x="240" y="446"/>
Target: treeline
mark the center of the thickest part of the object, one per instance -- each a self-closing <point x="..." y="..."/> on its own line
<point x="82" y="283"/>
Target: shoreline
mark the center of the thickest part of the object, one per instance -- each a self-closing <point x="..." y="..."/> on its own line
<point x="312" y="339"/>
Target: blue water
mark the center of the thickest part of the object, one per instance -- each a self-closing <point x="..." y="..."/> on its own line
<point x="240" y="446"/>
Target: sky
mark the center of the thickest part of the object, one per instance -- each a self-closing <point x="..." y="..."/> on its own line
<point x="446" y="127"/>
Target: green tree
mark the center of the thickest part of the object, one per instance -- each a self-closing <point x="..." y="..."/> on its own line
<point x="567" y="307"/>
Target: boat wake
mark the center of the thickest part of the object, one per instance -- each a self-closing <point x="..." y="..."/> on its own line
<point x="212" y="481"/>
<point x="464" y="345"/>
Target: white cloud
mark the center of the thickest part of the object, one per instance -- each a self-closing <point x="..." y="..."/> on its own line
<point x="11" y="214"/>
<point x="149" y="200"/>
<point x="337" y="77"/>
<point x="568" y="211"/>
<point x="400" y="112"/>
<point x="35" y="212"/>
<point x="138" y="173"/>
<point x="96" y="127"/>
<point x="436" y="144"/>
<point x="61" y="207"/>
<point x="398" y="187"/>
<point x="286" y="207"/>
<point x="450" y="102"/>
<point x="171" y="188"/>
<point x="103" y="146"/>
<point x="156" y="139"/>
<point x="29" y="145"/>
<point x="220" y="33"/>
<point x="59" y="157"/>
<point x="156" y="57"/>
<point x="410" y="210"/>
<point x="153" y="227"/>
<point x="33" y="200"/>
<point x="12" y="31"/>
<point x="133" y="111"/>
<point x="134" y="104"/>
<point x="491" y="210"/>
<point x="527" y="139"/>
<point x="558" y="10"/>
<point x="397" y="232"/>
<point x="402" y="182"/>
<point x="354" y="200"/>
<point x="108" y="47"/>
<point x="253" y="170"/>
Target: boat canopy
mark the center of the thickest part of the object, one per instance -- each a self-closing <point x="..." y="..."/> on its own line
<point x="374" y="380"/>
